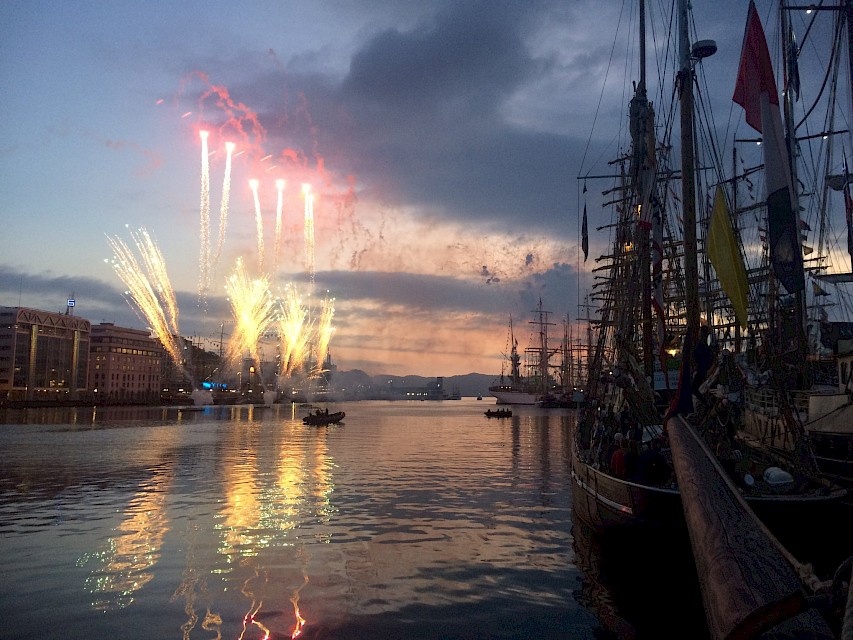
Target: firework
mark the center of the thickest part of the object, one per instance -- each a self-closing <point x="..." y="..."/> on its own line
<point x="294" y="329"/>
<point x="253" y="308"/>
<point x="226" y="197"/>
<point x="204" y="232"/>
<point x="324" y="333"/>
<point x="259" y="222"/>
<point x="150" y="289"/>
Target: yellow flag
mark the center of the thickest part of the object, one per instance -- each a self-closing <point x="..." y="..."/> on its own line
<point x="725" y="255"/>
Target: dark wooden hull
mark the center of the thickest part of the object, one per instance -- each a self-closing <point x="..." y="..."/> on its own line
<point x="604" y="502"/>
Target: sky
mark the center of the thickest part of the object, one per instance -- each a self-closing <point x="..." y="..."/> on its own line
<point x="443" y="141"/>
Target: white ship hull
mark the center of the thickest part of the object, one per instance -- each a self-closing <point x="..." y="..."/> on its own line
<point x="508" y="395"/>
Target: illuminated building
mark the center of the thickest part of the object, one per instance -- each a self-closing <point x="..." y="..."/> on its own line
<point x="124" y="365"/>
<point x="44" y="356"/>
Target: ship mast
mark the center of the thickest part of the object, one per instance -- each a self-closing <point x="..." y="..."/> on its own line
<point x="688" y="180"/>
<point x="646" y="185"/>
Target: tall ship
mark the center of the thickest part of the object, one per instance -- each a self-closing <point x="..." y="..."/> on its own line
<point x="531" y="382"/>
<point x="655" y="307"/>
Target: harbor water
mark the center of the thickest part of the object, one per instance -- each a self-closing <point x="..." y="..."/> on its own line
<point x="407" y="520"/>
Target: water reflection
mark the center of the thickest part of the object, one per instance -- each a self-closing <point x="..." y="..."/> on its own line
<point x="123" y="567"/>
<point x="411" y="520"/>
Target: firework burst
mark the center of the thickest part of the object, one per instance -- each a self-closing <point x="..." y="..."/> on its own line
<point x="294" y="330"/>
<point x="150" y="289"/>
<point x="254" y="313"/>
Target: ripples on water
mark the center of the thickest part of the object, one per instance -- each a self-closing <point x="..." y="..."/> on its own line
<point x="410" y="520"/>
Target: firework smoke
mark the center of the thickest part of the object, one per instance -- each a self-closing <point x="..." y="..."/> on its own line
<point x="279" y="185"/>
<point x="309" y="234"/>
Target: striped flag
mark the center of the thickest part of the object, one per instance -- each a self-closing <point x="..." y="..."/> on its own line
<point x="756" y="92"/>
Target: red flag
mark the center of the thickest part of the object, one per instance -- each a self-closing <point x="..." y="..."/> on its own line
<point x="755" y="76"/>
<point x="756" y="92"/>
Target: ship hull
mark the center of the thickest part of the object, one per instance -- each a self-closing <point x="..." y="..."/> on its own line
<point x="507" y="395"/>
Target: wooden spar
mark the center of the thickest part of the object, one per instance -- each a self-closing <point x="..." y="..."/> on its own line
<point x="749" y="585"/>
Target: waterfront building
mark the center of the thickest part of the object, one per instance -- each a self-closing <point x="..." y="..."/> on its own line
<point x="125" y="365"/>
<point x="44" y="356"/>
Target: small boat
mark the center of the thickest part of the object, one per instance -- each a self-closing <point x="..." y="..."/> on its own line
<point x="498" y="413"/>
<point x="323" y="418"/>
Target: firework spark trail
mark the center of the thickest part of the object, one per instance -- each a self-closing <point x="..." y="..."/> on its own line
<point x="259" y="222"/>
<point x="309" y="234"/>
<point x="279" y="185"/>
<point x="204" y="232"/>
<point x="254" y="313"/>
<point x="155" y="264"/>
<point x="150" y="289"/>
<point x="294" y="599"/>
<point x="223" y="208"/>
<point x="294" y="329"/>
<point x="324" y="333"/>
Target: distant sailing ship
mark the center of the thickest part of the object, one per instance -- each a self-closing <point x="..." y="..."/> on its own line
<point x="537" y="384"/>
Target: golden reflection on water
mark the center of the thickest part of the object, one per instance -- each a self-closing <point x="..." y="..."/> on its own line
<point x="414" y="511"/>
<point x="267" y="504"/>
<point x="134" y="549"/>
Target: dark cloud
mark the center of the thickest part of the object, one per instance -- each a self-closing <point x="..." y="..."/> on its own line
<point x="465" y="60"/>
<point x="426" y="108"/>
<point x="555" y="285"/>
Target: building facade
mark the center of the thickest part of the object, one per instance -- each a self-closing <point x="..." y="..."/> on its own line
<point x="44" y="356"/>
<point x="124" y="365"/>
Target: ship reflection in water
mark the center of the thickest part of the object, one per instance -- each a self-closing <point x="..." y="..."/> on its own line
<point x="407" y="521"/>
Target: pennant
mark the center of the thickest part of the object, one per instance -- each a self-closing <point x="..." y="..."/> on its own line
<point x="724" y="253"/>
<point x="817" y="290"/>
<point x="584" y="236"/>
<point x="756" y="92"/>
<point x="793" y="65"/>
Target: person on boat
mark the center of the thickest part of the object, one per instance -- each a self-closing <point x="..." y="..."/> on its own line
<point x="652" y="466"/>
<point x="618" y="461"/>
<point x="636" y="430"/>
<point x="615" y="445"/>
